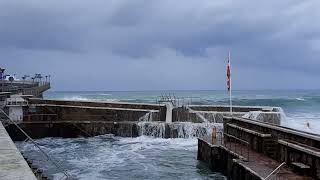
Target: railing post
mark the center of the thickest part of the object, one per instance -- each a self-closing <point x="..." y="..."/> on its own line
<point x="248" y="151"/>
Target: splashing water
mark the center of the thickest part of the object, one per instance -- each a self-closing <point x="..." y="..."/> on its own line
<point x="277" y="116"/>
<point x="146" y="117"/>
<point x="177" y="129"/>
<point x="299" y="105"/>
<point x="254" y="115"/>
<point x="153" y="129"/>
<point x="283" y="116"/>
<point x="202" y="118"/>
<point x="192" y="130"/>
<point x="108" y="157"/>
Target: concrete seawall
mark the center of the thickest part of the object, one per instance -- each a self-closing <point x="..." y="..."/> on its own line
<point x="222" y="160"/>
<point x="34" y="89"/>
<point x="73" y="129"/>
<point x="296" y="148"/>
<point x="60" y="118"/>
<point x="248" y="149"/>
<point x="116" y="111"/>
<point x="12" y="164"/>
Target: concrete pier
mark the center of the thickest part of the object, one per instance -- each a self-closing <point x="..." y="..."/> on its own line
<point x="34" y="89"/>
<point x="58" y="118"/>
<point x="12" y="164"/>
<point x="248" y="149"/>
<point x="239" y="162"/>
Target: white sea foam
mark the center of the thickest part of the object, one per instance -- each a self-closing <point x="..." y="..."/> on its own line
<point x="177" y="129"/>
<point x="107" y="157"/>
<point x="304" y="122"/>
<point x="75" y="98"/>
<point x="81" y="98"/>
<point x="105" y="94"/>
<point x="300" y="99"/>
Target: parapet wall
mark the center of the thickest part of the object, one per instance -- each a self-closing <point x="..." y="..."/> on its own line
<point x="70" y="129"/>
<point x="26" y="88"/>
<point x="115" y="110"/>
<point x="36" y="91"/>
<point x="299" y="150"/>
<point x="98" y="104"/>
<point x="221" y="160"/>
<point x="277" y="132"/>
<point x="221" y="108"/>
<point x="215" y="114"/>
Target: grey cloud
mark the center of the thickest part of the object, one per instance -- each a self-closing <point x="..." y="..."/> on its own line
<point x="133" y="38"/>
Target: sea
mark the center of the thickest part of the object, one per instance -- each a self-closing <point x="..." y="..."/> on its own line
<point x="145" y="157"/>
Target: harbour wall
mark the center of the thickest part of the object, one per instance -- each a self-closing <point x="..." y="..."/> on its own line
<point x="299" y="150"/>
<point x="222" y="160"/>
<point x="116" y="111"/>
<point x="62" y="118"/>
<point x="34" y="89"/>
<point x="72" y="129"/>
<point x="215" y="113"/>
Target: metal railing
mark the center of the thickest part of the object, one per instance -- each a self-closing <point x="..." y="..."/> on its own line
<point x="49" y="159"/>
<point x="179" y="101"/>
<point x="274" y="172"/>
<point x="40" y="117"/>
<point x="243" y="145"/>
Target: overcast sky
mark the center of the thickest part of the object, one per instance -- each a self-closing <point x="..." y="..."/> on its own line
<point x="163" y="44"/>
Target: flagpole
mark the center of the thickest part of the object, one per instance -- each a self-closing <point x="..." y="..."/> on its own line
<point x="230" y="92"/>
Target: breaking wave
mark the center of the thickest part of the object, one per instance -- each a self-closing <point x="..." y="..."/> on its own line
<point x="81" y="98"/>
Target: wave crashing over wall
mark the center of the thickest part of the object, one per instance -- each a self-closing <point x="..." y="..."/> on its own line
<point x="274" y="117"/>
<point x="176" y="129"/>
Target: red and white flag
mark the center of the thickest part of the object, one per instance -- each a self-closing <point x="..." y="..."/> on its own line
<point x="229" y="74"/>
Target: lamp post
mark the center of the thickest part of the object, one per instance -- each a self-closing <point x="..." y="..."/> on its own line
<point x="40" y="78"/>
<point x="1" y="77"/>
<point x="37" y="77"/>
<point x="24" y="78"/>
<point x="1" y="73"/>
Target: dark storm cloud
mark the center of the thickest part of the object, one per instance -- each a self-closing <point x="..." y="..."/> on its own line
<point x="145" y="44"/>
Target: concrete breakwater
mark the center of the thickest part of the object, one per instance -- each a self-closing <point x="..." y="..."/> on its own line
<point x="29" y="88"/>
<point x="12" y="163"/>
<point x="56" y="118"/>
<point x="42" y="118"/>
<point x="249" y="149"/>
